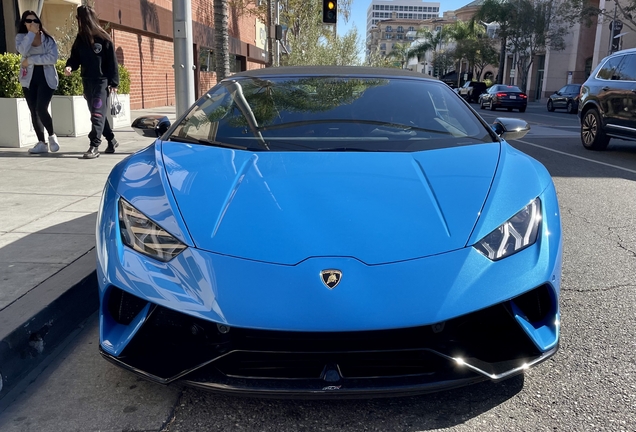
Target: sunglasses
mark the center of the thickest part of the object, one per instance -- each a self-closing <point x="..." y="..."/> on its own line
<point x="29" y="21"/>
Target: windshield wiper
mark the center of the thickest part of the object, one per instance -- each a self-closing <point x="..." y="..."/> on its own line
<point x="191" y="140"/>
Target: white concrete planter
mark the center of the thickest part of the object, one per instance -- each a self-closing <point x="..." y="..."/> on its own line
<point x="71" y="116"/>
<point x="17" y="128"/>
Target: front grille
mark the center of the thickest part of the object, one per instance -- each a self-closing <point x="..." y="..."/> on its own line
<point x="171" y="345"/>
<point x="314" y="365"/>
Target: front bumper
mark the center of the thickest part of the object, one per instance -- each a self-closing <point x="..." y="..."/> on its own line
<point x="508" y="103"/>
<point x="485" y="345"/>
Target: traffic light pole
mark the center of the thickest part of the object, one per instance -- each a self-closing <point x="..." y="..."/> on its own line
<point x="183" y="56"/>
<point x="611" y="37"/>
<point x="277" y="44"/>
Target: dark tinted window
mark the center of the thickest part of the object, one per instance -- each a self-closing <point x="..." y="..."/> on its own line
<point x="607" y="70"/>
<point x="627" y="69"/>
<point x="507" y="89"/>
<point x="563" y="89"/>
<point x="331" y="113"/>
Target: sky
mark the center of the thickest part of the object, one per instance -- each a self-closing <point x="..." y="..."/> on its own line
<point x="359" y="15"/>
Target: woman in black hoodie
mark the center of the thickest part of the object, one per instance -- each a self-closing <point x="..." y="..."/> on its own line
<point x="93" y="50"/>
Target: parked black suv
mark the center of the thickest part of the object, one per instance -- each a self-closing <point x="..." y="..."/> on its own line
<point x="607" y="105"/>
<point x="471" y="90"/>
<point x="566" y="97"/>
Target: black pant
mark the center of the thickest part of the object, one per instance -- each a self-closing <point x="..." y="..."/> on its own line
<point x="38" y="97"/>
<point x="96" y="95"/>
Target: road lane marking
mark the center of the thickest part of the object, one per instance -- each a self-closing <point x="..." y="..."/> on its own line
<point x="578" y="157"/>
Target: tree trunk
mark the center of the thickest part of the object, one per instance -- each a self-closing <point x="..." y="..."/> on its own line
<point x="221" y="39"/>
<point x="502" y="60"/>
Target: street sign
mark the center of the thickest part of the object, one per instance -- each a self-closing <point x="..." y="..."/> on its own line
<point x="619" y="25"/>
<point x="512" y="73"/>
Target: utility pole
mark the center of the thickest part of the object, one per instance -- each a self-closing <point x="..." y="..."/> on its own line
<point x="183" y="56"/>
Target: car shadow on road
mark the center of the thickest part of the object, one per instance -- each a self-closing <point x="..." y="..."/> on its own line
<point x="417" y="413"/>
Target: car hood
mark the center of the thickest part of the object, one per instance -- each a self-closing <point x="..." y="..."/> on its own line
<point x="285" y="207"/>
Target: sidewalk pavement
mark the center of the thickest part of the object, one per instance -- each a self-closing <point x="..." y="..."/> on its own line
<point x="48" y="209"/>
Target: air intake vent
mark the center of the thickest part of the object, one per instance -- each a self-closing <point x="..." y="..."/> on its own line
<point x="124" y="307"/>
<point x="535" y="304"/>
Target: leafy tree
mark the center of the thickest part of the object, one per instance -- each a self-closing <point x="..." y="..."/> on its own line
<point x="311" y="42"/>
<point x="313" y="47"/>
<point x="444" y="61"/>
<point x="585" y="12"/>
<point x="431" y="41"/>
<point x="484" y="54"/>
<point x="526" y="28"/>
<point x="501" y="12"/>
<point x="400" y="52"/>
<point x="466" y="35"/>
<point x="376" y="59"/>
<point x="537" y="26"/>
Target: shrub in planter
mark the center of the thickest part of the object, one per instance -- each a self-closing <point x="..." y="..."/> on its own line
<point x="17" y="129"/>
<point x="69" y="85"/>
<point x="9" y="69"/>
<point x="124" y="80"/>
<point x="72" y="85"/>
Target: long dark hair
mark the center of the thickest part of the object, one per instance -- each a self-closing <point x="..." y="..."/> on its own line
<point x="88" y="24"/>
<point x="22" y="27"/>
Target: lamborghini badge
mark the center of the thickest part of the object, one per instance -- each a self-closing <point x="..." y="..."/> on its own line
<point x="331" y="278"/>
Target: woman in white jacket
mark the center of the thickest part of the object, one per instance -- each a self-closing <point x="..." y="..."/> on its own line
<point x="38" y="77"/>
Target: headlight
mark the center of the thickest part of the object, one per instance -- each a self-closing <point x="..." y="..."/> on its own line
<point x="519" y="232"/>
<point x="143" y="235"/>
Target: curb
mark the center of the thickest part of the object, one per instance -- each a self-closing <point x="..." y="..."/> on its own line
<point x="34" y="325"/>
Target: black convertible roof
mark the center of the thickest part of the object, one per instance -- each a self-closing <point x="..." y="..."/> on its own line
<point x="330" y="71"/>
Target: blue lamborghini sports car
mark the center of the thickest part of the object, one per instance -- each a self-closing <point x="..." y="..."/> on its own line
<point x="329" y="232"/>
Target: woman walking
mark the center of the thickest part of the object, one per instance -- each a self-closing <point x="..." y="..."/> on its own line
<point x="93" y="50"/>
<point x="38" y="77"/>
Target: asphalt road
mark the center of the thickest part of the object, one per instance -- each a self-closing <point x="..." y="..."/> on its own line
<point x="590" y="385"/>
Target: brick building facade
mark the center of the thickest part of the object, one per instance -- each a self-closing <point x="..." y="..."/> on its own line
<point x="142" y="32"/>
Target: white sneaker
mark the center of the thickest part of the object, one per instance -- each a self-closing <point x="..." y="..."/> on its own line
<point x="39" y="148"/>
<point x="54" y="145"/>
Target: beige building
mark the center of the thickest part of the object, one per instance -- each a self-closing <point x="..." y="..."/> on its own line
<point x="388" y="32"/>
<point x="551" y="70"/>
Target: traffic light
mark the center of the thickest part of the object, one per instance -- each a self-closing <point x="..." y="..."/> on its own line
<point x="329" y="11"/>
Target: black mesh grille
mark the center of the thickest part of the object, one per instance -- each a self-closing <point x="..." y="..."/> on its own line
<point x="124" y="307"/>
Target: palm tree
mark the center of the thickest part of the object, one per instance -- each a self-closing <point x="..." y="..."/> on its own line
<point x="428" y="41"/>
<point x="464" y="33"/>
<point x="400" y="52"/>
<point x="222" y="39"/>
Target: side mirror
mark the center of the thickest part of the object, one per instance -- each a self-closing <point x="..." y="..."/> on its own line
<point x="510" y="128"/>
<point x="558" y="93"/>
<point x="152" y="126"/>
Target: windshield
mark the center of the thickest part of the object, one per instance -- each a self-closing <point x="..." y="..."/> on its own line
<point x="509" y="89"/>
<point x="331" y="114"/>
